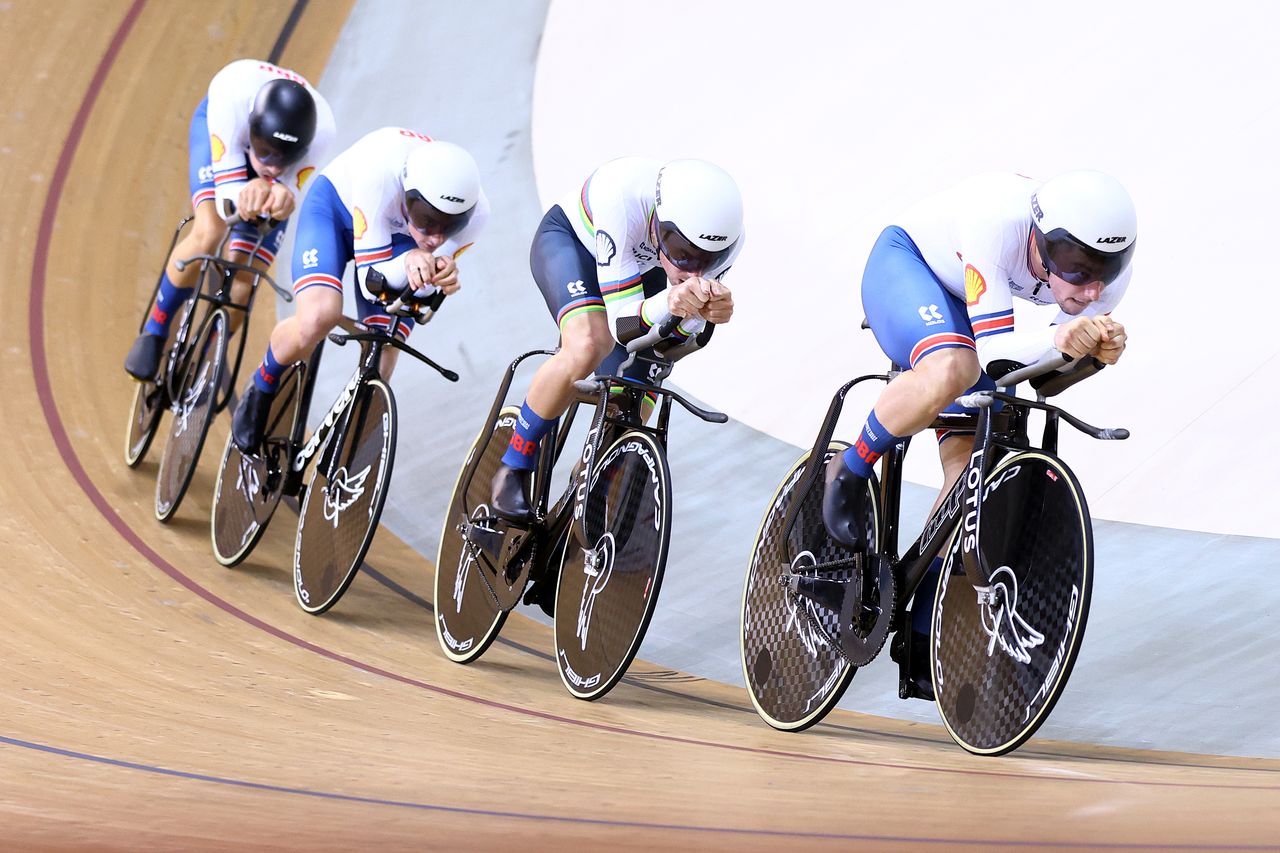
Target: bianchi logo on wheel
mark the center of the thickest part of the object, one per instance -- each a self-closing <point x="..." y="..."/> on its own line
<point x="597" y="565"/>
<point x="190" y="399"/>
<point x="342" y="491"/>
<point x="1000" y="618"/>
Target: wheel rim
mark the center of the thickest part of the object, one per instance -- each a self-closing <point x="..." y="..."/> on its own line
<point x="191" y="414"/>
<point x="998" y="674"/>
<point x="794" y="675"/>
<point x="249" y="488"/>
<point x="467" y="618"/>
<point x="340" y="512"/>
<point x="144" y="416"/>
<point x="606" y="595"/>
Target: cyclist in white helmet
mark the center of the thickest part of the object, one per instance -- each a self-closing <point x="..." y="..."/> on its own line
<point x="938" y="293"/>
<point x="639" y="240"/>
<point x="396" y="202"/>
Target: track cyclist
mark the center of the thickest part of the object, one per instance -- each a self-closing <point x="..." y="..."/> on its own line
<point x="255" y="140"/>
<point x="938" y="293"/>
<point x="396" y="202"/>
<point x="639" y="240"/>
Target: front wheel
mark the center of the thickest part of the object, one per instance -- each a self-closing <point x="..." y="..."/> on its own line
<point x="468" y="617"/>
<point x="348" y="487"/>
<point x="999" y="668"/>
<point x="791" y="658"/>
<point x="192" y="413"/>
<point x="249" y="487"/>
<point x="607" y="591"/>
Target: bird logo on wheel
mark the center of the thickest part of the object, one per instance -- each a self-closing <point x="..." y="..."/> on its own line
<point x="597" y="565"/>
<point x="342" y="491"/>
<point x="1000" y="618"/>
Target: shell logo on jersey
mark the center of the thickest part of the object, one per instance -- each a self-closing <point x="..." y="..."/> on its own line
<point x="304" y="175"/>
<point x="359" y="224"/>
<point x="216" y="147"/>
<point x="974" y="285"/>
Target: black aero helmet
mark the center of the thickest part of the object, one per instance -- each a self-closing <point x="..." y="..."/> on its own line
<point x="282" y="122"/>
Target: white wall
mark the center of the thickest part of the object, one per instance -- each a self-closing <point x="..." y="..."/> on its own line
<point x="832" y="116"/>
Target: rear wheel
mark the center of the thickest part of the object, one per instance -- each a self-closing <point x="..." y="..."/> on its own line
<point x="606" y="594"/>
<point x="192" y="413"/>
<point x="344" y="499"/>
<point x="997" y="671"/>
<point x="249" y="487"/>
<point x="468" y="617"/>
<point x="791" y="659"/>
<point x="144" y="417"/>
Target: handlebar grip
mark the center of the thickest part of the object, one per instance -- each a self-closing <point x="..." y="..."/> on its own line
<point x="587" y="386"/>
<point x="1113" y="434"/>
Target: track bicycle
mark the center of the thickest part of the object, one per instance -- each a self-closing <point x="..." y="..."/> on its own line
<point x="354" y="447"/>
<point x="596" y="557"/>
<point x="195" y="378"/>
<point x="1012" y="599"/>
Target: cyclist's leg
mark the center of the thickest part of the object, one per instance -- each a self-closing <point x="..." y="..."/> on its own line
<point x="320" y="254"/>
<point x="373" y="313"/>
<point x="202" y="237"/>
<point x="918" y="324"/>
<point x="243" y="238"/>
<point x="654" y="281"/>
<point x="566" y="274"/>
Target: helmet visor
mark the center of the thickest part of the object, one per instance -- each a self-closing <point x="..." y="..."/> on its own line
<point x="271" y="154"/>
<point x="684" y="254"/>
<point x="1078" y="264"/>
<point x="427" y="218"/>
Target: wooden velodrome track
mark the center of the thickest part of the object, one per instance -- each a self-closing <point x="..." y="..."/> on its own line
<point x="155" y="701"/>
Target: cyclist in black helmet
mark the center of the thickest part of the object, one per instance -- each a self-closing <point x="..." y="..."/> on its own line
<point x="259" y="134"/>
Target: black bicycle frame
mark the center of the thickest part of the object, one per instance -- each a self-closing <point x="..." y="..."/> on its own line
<point x="963" y="504"/>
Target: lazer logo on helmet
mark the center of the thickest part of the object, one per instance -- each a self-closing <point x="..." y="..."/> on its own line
<point x="714" y="238"/>
<point x="1035" y="207"/>
<point x="284" y="136"/>
<point x="1113" y="239"/>
<point x="453" y="198"/>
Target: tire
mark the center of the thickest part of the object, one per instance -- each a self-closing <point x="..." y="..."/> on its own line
<point x="794" y="675"/>
<point x="467" y="617"/>
<point x="348" y="487"/>
<point x="604" y="602"/>
<point x="249" y="488"/>
<point x="144" y="417"/>
<point x="192" y="413"/>
<point x="1037" y="536"/>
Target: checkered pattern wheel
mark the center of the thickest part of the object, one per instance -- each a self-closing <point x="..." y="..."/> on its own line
<point x="794" y="672"/>
<point x="606" y="593"/>
<point x="467" y="616"/>
<point x="1000" y="665"/>
<point x="192" y="412"/>
<point x="343" y="502"/>
<point x="248" y="487"/>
